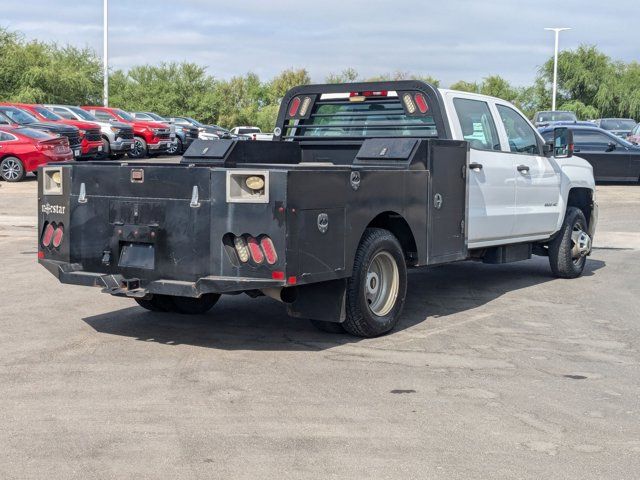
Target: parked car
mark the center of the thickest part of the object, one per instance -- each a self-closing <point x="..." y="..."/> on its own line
<point x="634" y="136"/>
<point x="613" y="159"/>
<point x="207" y="132"/>
<point x="90" y="138"/>
<point x="253" y="133"/>
<point x="24" y="149"/>
<point x="147" y="136"/>
<point x="18" y="117"/>
<point x="184" y="134"/>
<point x="621" y="127"/>
<point x="545" y="118"/>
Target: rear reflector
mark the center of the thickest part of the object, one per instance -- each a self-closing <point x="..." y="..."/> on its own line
<point x="57" y="236"/>
<point x="277" y="275"/>
<point x="254" y="249"/>
<point x="47" y="236"/>
<point x="241" y="249"/>
<point x="421" y="102"/>
<point x="269" y="250"/>
<point x="293" y="108"/>
<point x="409" y="103"/>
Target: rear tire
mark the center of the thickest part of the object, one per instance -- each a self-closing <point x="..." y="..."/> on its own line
<point x="567" y="255"/>
<point x="328" y="327"/>
<point x="139" y="149"/>
<point x="377" y="288"/>
<point x="195" y="306"/>
<point x="156" y="303"/>
<point x="12" y="169"/>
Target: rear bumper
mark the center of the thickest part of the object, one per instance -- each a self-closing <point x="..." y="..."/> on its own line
<point x="134" y="287"/>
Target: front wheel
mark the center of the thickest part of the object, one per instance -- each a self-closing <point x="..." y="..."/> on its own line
<point x="377" y="288"/>
<point x="569" y="249"/>
<point x="175" y="147"/>
<point x="12" y="169"/>
<point x="139" y="149"/>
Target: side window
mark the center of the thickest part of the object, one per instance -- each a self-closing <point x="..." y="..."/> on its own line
<point x="476" y="122"/>
<point x="522" y="138"/>
<point x="5" y="137"/>
<point x="63" y="113"/>
<point x="594" y="140"/>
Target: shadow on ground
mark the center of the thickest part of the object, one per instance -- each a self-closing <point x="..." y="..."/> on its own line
<point x="241" y="323"/>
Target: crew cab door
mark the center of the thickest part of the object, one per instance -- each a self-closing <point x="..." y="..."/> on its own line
<point x="609" y="158"/>
<point x="492" y="191"/>
<point x="537" y="178"/>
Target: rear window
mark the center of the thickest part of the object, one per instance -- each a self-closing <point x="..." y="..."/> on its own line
<point x="617" y="124"/>
<point x="248" y="131"/>
<point x="373" y="117"/>
<point x="556" y="117"/>
<point x="35" y="134"/>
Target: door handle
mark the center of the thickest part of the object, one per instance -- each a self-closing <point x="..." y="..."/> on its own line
<point x="475" y="166"/>
<point x="523" y="168"/>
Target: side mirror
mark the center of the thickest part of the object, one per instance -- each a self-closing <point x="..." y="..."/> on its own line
<point x="562" y="142"/>
<point x="611" y="146"/>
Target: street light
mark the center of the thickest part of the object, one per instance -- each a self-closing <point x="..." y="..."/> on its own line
<point x="555" y="63"/>
<point x="105" y="53"/>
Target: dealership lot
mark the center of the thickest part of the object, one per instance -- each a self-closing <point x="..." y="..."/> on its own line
<point x="495" y="372"/>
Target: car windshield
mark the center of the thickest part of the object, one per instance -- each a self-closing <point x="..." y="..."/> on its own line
<point x="83" y="114"/>
<point x="557" y="117"/>
<point x="18" y="116"/>
<point x="48" y="114"/>
<point x="35" y="134"/>
<point x="155" y="116"/>
<point x="194" y="122"/>
<point x="124" y="115"/>
<point x="618" y="124"/>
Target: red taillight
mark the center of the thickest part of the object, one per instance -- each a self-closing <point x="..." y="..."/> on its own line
<point x="47" y="235"/>
<point x="57" y="236"/>
<point x="254" y="249"/>
<point x="421" y="102"/>
<point x="379" y="93"/>
<point x="277" y="275"/>
<point x="293" y="108"/>
<point x="269" y="250"/>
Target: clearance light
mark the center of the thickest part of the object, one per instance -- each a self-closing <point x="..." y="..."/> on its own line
<point x="269" y="250"/>
<point x="305" y="106"/>
<point x="277" y="275"/>
<point x="57" y="236"/>
<point x="254" y="249"/>
<point x="409" y="103"/>
<point x="293" y="108"/>
<point x="47" y="236"/>
<point x="241" y="249"/>
<point x="421" y="102"/>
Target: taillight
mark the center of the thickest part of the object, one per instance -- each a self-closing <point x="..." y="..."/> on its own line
<point x="47" y="235"/>
<point x="293" y="108"/>
<point x="421" y="102"/>
<point x="269" y="250"/>
<point x="254" y="249"/>
<point x="241" y="249"/>
<point x="379" y="93"/>
<point x="57" y="236"/>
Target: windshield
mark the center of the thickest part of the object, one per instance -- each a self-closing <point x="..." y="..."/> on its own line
<point x="18" y="116"/>
<point x="155" y="116"/>
<point x="194" y="122"/>
<point x="83" y="114"/>
<point x="618" y="124"/>
<point x="124" y="115"/>
<point x="35" y="134"/>
<point x="48" y="114"/>
<point x="557" y="117"/>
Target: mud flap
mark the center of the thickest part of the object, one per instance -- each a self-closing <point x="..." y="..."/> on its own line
<point x="320" y="301"/>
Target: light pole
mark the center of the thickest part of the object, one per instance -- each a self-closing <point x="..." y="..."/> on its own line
<point x="555" y="63"/>
<point x="105" y="53"/>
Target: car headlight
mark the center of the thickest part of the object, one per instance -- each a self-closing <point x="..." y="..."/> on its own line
<point x="115" y="130"/>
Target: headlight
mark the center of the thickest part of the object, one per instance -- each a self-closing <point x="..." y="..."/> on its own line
<point x="115" y="130"/>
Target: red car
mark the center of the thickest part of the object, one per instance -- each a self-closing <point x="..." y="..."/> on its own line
<point x="24" y="149"/>
<point x="91" y="145"/>
<point x="148" y="136"/>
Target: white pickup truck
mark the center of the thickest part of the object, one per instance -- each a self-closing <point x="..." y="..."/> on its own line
<point x="360" y="183"/>
<point x="252" y="133"/>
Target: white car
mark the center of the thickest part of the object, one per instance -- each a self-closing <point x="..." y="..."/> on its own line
<point x="254" y="133"/>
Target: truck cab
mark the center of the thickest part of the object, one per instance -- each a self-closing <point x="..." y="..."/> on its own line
<point x="360" y="183"/>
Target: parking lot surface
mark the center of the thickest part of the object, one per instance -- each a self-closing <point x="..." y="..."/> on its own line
<point x="496" y="371"/>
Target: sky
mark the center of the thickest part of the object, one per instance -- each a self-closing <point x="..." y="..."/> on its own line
<point x="449" y="40"/>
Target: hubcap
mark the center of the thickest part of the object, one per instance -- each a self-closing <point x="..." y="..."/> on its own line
<point x="382" y="284"/>
<point x="581" y="243"/>
<point x="11" y="170"/>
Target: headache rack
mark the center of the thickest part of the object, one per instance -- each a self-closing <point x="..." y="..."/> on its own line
<point x="355" y="112"/>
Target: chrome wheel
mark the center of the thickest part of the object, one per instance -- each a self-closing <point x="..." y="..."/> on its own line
<point x="173" y="147"/>
<point x="382" y="284"/>
<point x="581" y="243"/>
<point x="11" y="169"/>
